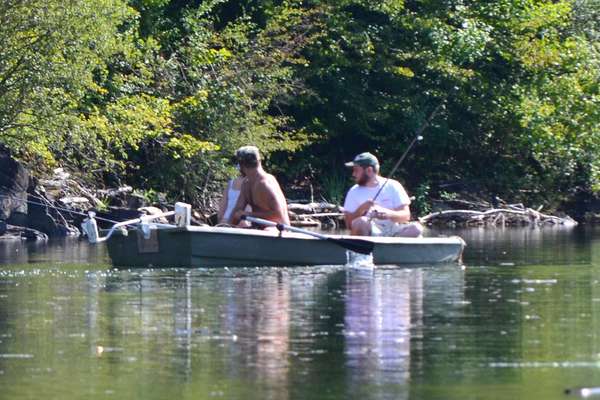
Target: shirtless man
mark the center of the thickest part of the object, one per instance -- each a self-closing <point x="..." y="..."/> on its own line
<point x="260" y="190"/>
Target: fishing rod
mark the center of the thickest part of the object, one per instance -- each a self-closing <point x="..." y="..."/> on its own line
<point x="416" y="139"/>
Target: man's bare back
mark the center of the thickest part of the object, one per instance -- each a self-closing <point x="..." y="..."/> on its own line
<point x="260" y="190"/>
<point x="266" y="198"/>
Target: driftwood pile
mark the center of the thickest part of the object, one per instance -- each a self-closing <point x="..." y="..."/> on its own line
<point x="58" y="204"/>
<point x="501" y="215"/>
<point x="453" y="213"/>
<point x="318" y="215"/>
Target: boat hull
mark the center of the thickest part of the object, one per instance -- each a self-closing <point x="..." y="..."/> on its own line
<point x="216" y="247"/>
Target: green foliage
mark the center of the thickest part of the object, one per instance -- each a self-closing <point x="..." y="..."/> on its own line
<point x="226" y="85"/>
<point x="519" y="81"/>
<point x="163" y="106"/>
<point x="50" y="52"/>
<point x="421" y="205"/>
<point x="159" y="93"/>
<point x="150" y="196"/>
<point x="448" y="195"/>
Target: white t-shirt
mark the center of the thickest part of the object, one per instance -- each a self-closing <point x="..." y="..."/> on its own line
<point x="392" y="196"/>
<point x="232" y="198"/>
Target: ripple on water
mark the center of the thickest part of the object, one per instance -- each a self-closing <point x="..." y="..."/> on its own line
<point x="16" y="356"/>
<point x="546" y="364"/>
<point x="535" y="281"/>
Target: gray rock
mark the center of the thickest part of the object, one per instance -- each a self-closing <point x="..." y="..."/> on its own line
<point x="20" y="233"/>
<point x="14" y="182"/>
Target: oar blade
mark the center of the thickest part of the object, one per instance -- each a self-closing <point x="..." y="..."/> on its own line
<point x="355" y="245"/>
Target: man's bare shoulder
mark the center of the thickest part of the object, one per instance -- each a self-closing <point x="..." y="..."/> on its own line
<point x="269" y="181"/>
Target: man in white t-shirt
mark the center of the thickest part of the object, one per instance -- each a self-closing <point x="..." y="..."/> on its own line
<point x="389" y="214"/>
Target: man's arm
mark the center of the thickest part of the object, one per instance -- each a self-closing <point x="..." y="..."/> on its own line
<point x="400" y="213"/>
<point x="359" y="212"/>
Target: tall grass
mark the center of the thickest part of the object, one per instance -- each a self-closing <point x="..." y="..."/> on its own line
<point x="334" y="186"/>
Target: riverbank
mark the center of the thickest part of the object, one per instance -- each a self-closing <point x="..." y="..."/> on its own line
<point x="37" y="208"/>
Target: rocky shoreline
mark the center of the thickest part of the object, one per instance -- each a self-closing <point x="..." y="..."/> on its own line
<point x="37" y="209"/>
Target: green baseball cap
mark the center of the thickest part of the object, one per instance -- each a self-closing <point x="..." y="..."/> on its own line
<point x="364" y="160"/>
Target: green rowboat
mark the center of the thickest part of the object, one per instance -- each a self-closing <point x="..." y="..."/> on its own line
<point x="140" y="243"/>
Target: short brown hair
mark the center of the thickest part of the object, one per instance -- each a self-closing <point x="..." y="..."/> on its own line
<point x="248" y="156"/>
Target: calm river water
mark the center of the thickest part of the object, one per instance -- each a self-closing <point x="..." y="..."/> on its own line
<point x="520" y="320"/>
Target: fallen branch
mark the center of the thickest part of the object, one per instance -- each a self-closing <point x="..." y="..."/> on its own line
<point x="513" y="214"/>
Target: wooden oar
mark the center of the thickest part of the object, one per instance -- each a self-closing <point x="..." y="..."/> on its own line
<point x="355" y="245"/>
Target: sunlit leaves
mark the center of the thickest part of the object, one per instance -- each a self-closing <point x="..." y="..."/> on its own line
<point x="126" y="123"/>
<point x="52" y="44"/>
<point x="464" y="42"/>
<point x="188" y="146"/>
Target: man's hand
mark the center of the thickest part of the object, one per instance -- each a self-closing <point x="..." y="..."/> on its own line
<point x="237" y="216"/>
<point x="401" y="215"/>
<point x="381" y="213"/>
<point x="360" y="211"/>
<point x="365" y="207"/>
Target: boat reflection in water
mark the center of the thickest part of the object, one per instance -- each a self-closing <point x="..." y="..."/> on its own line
<point x="494" y="330"/>
<point x="383" y="333"/>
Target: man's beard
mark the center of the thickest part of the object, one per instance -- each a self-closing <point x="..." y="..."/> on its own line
<point x="362" y="179"/>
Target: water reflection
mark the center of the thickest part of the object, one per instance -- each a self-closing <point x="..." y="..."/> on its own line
<point x="60" y="250"/>
<point x="259" y="329"/>
<point x="524" y="246"/>
<point x="378" y="321"/>
<point x="491" y="330"/>
<point x="241" y="332"/>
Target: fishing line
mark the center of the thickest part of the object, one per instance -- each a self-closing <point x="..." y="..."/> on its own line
<point x="59" y="208"/>
<point x="416" y="139"/>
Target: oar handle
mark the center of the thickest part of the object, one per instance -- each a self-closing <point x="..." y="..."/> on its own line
<point x="260" y="221"/>
<point x="279" y="226"/>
